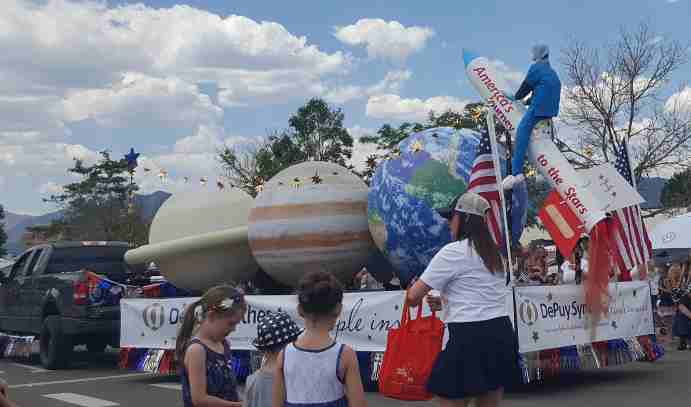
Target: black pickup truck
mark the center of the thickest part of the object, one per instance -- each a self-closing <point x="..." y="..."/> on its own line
<point x="46" y="293"/>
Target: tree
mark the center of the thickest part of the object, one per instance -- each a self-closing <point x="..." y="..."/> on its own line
<point x="315" y="133"/>
<point x="614" y="94"/>
<point x="318" y="131"/>
<point x="3" y="234"/>
<point x="677" y="191"/>
<point x="97" y="207"/>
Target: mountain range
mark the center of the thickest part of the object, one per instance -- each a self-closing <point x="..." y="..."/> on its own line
<point x="16" y="224"/>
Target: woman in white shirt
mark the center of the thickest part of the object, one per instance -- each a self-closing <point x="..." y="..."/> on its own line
<point x="481" y="357"/>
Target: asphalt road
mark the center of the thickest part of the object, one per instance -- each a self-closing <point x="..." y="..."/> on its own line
<point x="96" y="382"/>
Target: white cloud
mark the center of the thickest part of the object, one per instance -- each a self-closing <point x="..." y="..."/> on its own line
<point x="361" y="151"/>
<point x="206" y="140"/>
<point x="144" y="100"/>
<point x="390" y="106"/>
<point x="50" y="188"/>
<point x="392" y="83"/>
<point x="136" y="69"/>
<point x="680" y="101"/>
<point x="512" y="77"/>
<point x="388" y="40"/>
<point x="64" y="44"/>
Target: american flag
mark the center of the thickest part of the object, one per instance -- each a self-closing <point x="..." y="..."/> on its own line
<point x="631" y="240"/>
<point x="483" y="181"/>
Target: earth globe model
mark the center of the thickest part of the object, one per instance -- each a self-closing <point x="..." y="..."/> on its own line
<point x="311" y="216"/>
<point x="425" y="172"/>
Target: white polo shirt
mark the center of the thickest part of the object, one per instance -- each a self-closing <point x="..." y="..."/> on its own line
<point x="469" y="291"/>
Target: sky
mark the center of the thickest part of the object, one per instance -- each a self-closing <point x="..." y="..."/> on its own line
<point x="177" y="80"/>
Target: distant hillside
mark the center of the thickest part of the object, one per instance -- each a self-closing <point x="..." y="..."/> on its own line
<point x="16" y="224"/>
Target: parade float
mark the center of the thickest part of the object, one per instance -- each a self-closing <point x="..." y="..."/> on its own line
<point x="318" y="215"/>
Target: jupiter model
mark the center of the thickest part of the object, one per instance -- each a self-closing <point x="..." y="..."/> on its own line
<point x="311" y="216"/>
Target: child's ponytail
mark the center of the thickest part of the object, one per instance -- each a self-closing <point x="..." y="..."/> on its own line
<point x="185" y="332"/>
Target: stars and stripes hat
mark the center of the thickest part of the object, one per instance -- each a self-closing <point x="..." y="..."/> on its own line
<point x="468" y="202"/>
<point x="276" y="329"/>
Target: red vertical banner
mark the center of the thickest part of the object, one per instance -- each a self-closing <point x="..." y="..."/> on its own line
<point x="561" y="222"/>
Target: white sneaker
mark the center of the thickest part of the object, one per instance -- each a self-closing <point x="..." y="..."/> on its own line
<point x="511" y="180"/>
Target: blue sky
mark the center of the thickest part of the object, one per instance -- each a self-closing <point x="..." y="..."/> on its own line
<point x="177" y="83"/>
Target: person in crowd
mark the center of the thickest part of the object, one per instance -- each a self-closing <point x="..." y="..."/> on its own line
<point x="206" y="373"/>
<point x="575" y="269"/>
<point x="315" y="370"/>
<point x="665" y="292"/>
<point x="544" y="87"/>
<point x="365" y="281"/>
<point x="4" y="400"/>
<point x="654" y="277"/>
<point x="274" y="332"/>
<point x="536" y="263"/>
<point x="481" y="356"/>
<point x="552" y="278"/>
<point x="682" y="320"/>
<point x="393" y="285"/>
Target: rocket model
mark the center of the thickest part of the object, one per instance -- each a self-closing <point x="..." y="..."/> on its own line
<point x="542" y="152"/>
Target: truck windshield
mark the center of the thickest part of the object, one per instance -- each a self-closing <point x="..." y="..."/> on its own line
<point x="104" y="260"/>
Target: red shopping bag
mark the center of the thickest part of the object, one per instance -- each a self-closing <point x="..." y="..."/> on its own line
<point x="411" y="351"/>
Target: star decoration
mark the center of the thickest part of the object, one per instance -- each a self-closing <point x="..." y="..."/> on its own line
<point x="131" y="158"/>
<point x="316" y="179"/>
<point x="536" y="336"/>
<point x="334" y="173"/>
<point x="614" y="324"/>
<point x="476" y="114"/>
<point x="296" y="182"/>
<point x="280" y="183"/>
<point x="147" y="169"/>
<point x="416" y="147"/>
<point x="588" y="152"/>
<point x="549" y="296"/>
<point x="186" y="179"/>
<point x="203" y="181"/>
<point x="634" y="293"/>
<point x="435" y="135"/>
<point x="395" y="307"/>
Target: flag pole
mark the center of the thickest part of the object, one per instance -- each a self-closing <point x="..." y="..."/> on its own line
<point x="497" y="174"/>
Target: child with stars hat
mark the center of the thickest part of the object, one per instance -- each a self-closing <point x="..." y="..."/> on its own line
<point x="274" y="332"/>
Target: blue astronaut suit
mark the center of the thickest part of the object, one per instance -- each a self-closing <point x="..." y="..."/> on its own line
<point x="545" y="86"/>
<point x="542" y="81"/>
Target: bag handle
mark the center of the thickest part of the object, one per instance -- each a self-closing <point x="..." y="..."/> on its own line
<point x="406" y="310"/>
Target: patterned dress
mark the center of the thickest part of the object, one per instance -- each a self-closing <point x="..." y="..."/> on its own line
<point x="220" y="378"/>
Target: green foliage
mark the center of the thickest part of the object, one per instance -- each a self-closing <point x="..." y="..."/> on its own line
<point x="3" y="234"/>
<point x="315" y="133"/>
<point x="677" y="191"/>
<point x="97" y="206"/>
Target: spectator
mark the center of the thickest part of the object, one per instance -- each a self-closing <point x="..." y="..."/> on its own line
<point x="365" y="281"/>
<point x="4" y="400"/>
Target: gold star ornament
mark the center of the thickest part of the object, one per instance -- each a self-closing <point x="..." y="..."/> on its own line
<point x="416" y="147"/>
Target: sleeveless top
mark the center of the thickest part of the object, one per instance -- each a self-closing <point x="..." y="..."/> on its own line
<point x="312" y="377"/>
<point x="220" y="378"/>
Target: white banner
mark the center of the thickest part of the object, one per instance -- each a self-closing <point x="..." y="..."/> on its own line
<point x="557" y="316"/>
<point x="364" y="322"/>
<point x="548" y="317"/>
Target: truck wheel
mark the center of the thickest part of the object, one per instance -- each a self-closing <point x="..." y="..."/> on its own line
<point x="56" y="348"/>
<point x="96" y="345"/>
